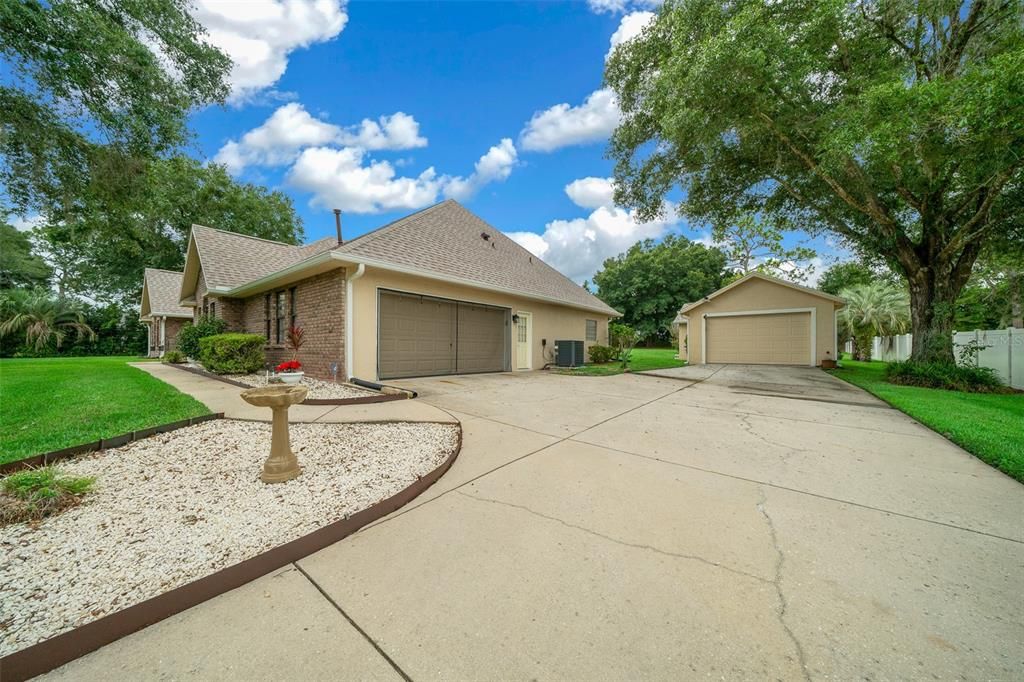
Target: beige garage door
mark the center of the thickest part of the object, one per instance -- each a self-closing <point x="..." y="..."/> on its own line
<point x="777" y="339"/>
<point x="420" y="336"/>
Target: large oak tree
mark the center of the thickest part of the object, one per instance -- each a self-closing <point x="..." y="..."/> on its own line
<point x="897" y="125"/>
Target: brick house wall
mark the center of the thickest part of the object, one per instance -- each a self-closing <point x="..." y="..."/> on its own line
<point x="319" y="310"/>
<point x="172" y="326"/>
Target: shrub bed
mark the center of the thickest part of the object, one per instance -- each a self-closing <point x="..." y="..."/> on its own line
<point x="190" y="335"/>
<point x="601" y="354"/>
<point x="945" y="376"/>
<point x="232" y="353"/>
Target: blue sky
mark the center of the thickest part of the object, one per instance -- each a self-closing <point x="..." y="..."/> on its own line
<point x="381" y="108"/>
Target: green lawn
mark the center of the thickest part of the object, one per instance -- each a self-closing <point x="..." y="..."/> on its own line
<point x="53" y="403"/>
<point x="641" y="360"/>
<point x="989" y="426"/>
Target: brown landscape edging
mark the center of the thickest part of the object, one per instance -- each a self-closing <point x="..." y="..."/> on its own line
<point x="53" y="456"/>
<point x="66" y="647"/>
<point x="382" y="398"/>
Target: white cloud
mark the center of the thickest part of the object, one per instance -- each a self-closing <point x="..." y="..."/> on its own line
<point x="563" y="125"/>
<point x="630" y="27"/>
<point x="259" y="35"/>
<point x="338" y="178"/>
<point x="577" y="248"/>
<point x="291" y="128"/>
<point x="591" y="192"/>
<point x="25" y="223"/>
<point x="278" y="140"/>
<point x="616" y="6"/>
<point x="397" y="131"/>
<point x="607" y="6"/>
<point x="494" y="166"/>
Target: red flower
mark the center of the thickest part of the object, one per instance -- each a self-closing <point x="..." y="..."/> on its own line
<point x="290" y="366"/>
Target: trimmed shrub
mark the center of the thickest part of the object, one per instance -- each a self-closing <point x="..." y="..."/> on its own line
<point x="232" y="353"/>
<point x="190" y="334"/>
<point x="945" y="376"/>
<point x="601" y="354"/>
<point x="175" y="357"/>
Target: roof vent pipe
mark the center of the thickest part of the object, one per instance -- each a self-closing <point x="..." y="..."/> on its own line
<point x="337" y="223"/>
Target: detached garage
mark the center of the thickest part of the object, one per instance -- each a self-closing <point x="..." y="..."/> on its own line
<point x="761" y="320"/>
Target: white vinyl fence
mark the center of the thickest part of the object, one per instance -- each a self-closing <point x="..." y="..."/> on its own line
<point x="1002" y="350"/>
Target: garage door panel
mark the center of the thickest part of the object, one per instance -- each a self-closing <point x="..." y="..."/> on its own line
<point x="424" y="336"/>
<point x="773" y="339"/>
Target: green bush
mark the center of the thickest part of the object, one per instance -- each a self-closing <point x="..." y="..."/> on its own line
<point x="175" y="357"/>
<point x="945" y="376"/>
<point x="190" y="334"/>
<point x="601" y="354"/>
<point x="232" y="353"/>
<point x="35" y="493"/>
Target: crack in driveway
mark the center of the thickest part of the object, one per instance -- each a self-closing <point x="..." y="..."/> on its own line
<point x="633" y="545"/>
<point x="762" y="507"/>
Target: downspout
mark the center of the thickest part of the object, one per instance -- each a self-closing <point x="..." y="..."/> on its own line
<point x="349" y="314"/>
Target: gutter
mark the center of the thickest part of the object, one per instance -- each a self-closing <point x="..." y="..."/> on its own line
<point x="349" y="314"/>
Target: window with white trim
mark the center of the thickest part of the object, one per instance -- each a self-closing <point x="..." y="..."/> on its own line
<point x="591" y="330"/>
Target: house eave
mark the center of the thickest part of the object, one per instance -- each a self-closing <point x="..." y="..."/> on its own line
<point x="323" y="262"/>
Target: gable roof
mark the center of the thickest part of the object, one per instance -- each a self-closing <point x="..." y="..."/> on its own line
<point x="160" y="289"/>
<point x="230" y="259"/>
<point x="447" y="240"/>
<point x="758" y="275"/>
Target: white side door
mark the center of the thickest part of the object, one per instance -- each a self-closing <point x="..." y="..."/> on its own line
<point x="524" y="341"/>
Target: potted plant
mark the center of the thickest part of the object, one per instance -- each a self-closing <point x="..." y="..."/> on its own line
<point x="291" y="372"/>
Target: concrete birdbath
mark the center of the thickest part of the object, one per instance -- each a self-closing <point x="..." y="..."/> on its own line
<point x="281" y="465"/>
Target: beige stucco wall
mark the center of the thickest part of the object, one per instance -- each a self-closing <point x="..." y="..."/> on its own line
<point x="550" y="321"/>
<point x="760" y="294"/>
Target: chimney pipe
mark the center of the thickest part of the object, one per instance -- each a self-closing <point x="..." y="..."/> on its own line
<point x="337" y="223"/>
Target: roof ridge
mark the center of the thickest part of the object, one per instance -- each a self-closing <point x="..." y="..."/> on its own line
<point x="247" y="236"/>
<point x="375" y="232"/>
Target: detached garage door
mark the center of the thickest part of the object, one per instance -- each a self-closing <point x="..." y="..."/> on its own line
<point x="776" y="339"/>
<point x="425" y="336"/>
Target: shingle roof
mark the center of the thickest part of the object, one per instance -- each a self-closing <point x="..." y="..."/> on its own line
<point x="231" y="259"/>
<point x="162" y="288"/>
<point x="446" y="239"/>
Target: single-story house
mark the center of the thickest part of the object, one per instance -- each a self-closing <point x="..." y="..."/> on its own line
<point x="436" y="292"/>
<point x="762" y="320"/>
<point x="161" y="311"/>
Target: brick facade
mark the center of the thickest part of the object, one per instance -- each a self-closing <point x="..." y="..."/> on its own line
<point x="171" y="328"/>
<point x="319" y="310"/>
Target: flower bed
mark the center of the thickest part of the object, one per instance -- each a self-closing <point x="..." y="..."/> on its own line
<point x="179" y="506"/>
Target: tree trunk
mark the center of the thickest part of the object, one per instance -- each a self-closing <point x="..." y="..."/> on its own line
<point x="1016" y="279"/>
<point x="932" y="310"/>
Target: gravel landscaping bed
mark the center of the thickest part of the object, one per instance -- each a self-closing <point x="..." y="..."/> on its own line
<point x="318" y="390"/>
<point x="179" y="506"/>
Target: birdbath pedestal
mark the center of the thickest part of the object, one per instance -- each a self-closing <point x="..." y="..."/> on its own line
<point x="281" y="465"/>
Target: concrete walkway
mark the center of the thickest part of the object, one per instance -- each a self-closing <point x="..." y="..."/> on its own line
<point x="746" y="524"/>
<point x="222" y="397"/>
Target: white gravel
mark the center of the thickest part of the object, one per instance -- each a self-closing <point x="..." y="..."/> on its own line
<point x="317" y="389"/>
<point x="178" y="506"/>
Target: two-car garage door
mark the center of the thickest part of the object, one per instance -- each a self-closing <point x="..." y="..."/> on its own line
<point x="769" y="339"/>
<point x="426" y="336"/>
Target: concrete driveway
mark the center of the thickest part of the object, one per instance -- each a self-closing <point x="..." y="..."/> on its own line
<point x="727" y="522"/>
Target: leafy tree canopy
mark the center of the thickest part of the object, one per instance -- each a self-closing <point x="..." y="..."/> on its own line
<point x="896" y="125"/>
<point x="19" y="266"/>
<point x="843" y="275"/>
<point x="106" y="244"/>
<point x="651" y="282"/>
<point x="89" y="88"/>
<point x="750" y="244"/>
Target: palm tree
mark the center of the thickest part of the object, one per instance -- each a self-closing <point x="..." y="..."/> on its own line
<point x="874" y="309"/>
<point x="43" y="318"/>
